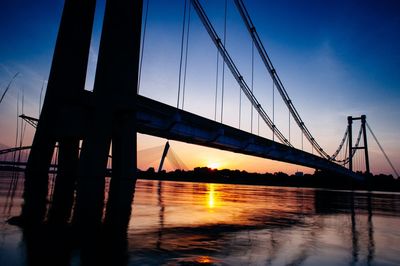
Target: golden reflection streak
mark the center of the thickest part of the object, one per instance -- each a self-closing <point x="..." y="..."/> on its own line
<point x="204" y="260"/>
<point x="211" y="195"/>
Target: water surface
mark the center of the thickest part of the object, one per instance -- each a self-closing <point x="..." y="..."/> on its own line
<point x="183" y="223"/>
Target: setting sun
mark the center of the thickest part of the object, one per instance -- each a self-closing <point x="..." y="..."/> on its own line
<point x="213" y="165"/>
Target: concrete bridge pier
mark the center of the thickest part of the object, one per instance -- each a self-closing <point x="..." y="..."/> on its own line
<point x="114" y="98"/>
<point x="106" y="119"/>
<point x="66" y="81"/>
<point x="63" y="196"/>
<point x="124" y="166"/>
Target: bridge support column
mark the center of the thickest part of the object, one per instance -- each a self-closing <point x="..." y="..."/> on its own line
<point x="351" y="148"/>
<point x="165" y="152"/>
<point x="124" y="167"/>
<point x="67" y="78"/>
<point x="350" y="129"/>
<point x="115" y="89"/>
<point x="91" y="173"/>
<point x="363" y="121"/>
<point x="63" y="197"/>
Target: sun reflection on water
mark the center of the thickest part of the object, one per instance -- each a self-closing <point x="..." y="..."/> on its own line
<point x="204" y="260"/>
<point x="195" y="260"/>
<point x="211" y="195"/>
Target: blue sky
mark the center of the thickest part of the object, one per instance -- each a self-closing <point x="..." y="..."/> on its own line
<point x="335" y="58"/>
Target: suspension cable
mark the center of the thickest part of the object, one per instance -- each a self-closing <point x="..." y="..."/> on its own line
<point x="362" y="159"/>
<point x="273" y="111"/>
<point x="17" y="130"/>
<point x="345" y="153"/>
<point x="252" y="83"/>
<point x="141" y="50"/>
<point x="216" y="88"/>
<point x="8" y="86"/>
<point x="354" y="149"/>
<point x="181" y="57"/>
<point x="186" y="57"/>
<point x="235" y="72"/>
<point x="384" y="153"/>
<point x="289" y="126"/>
<point x="223" y="63"/>
<point x="333" y="157"/>
<point x="175" y="160"/>
<point x="358" y="140"/>
<point x="357" y="162"/>
<point x="41" y="93"/>
<point x="240" y="105"/>
<point x="268" y="64"/>
<point x="23" y="126"/>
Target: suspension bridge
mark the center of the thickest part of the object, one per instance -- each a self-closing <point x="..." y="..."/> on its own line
<point x="83" y="124"/>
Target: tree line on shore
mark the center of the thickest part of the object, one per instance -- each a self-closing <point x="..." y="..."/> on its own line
<point x="320" y="179"/>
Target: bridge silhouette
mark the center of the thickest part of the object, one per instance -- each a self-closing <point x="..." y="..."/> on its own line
<point x="114" y="112"/>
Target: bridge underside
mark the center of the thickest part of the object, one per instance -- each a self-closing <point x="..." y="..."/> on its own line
<point x="161" y="120"/>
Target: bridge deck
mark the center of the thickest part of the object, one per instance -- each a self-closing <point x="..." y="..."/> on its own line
<point x="158" y="119"/>
<point x="161" y="120"/>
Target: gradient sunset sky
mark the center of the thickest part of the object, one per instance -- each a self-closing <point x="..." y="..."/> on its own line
<point x="335" y="58"/>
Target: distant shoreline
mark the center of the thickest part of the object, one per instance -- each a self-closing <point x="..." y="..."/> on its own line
<point x="319" y="179"/>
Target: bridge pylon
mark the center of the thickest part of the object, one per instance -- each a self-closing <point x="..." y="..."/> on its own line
<point x="352" y="149"/>
<point x="71" y="115"/>
<point x="165" y="152"/>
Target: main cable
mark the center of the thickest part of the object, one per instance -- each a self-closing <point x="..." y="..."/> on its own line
<point x="235" y="72"/>
<point x="268" y="64"/>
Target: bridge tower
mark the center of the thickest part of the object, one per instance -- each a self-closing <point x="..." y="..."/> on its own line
<point x="165" y="152"/>
<point x="70" y="115"/>
<point x="350" y="120"/>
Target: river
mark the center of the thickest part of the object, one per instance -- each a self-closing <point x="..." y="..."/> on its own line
<point x="184" y="223"/>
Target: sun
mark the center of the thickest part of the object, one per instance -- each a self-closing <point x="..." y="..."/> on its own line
<point x="213" y="165"/>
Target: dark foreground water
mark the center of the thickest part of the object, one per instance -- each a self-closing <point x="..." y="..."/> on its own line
<point x="176" y="223"/>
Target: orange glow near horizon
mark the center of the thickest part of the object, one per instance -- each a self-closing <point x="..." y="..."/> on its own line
<point x="197" y="156"/>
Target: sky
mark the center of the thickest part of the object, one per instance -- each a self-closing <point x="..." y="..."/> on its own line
<point x="335" y="59"/>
